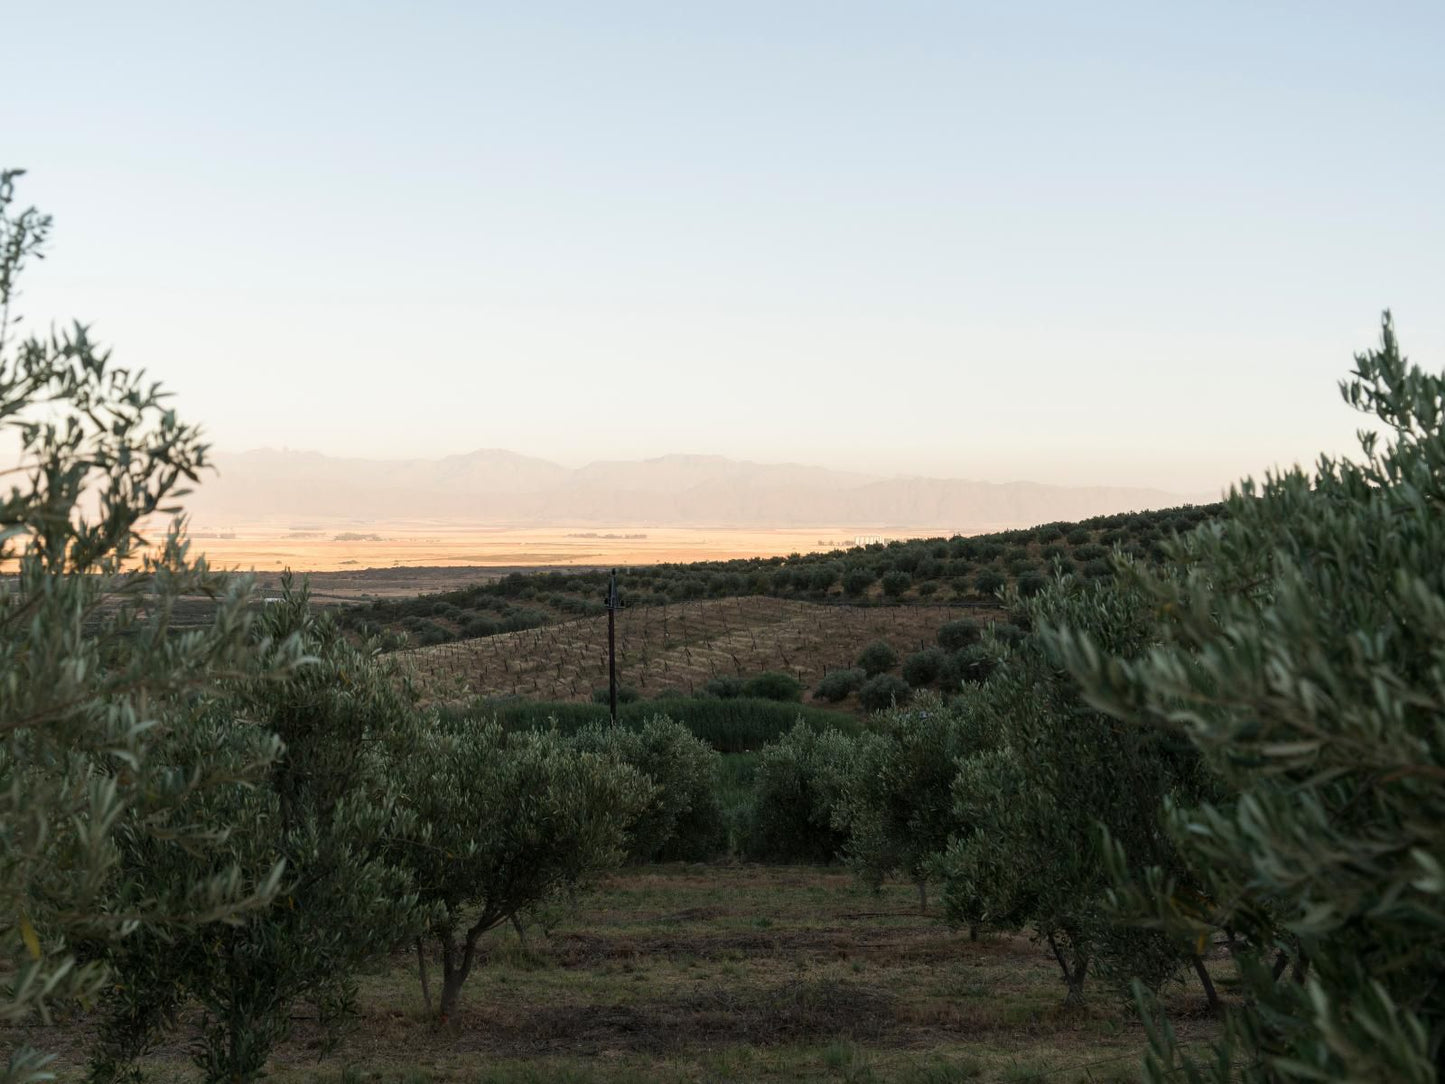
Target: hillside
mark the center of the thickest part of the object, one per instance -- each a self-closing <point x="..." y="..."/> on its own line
<point x="956" y="571"/>
<point x="674" y="649"/>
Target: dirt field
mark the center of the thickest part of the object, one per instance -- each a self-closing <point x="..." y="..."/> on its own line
<point x="675" y="647"/>
<point x="338" y="547"/>
<point x="730" y="973"/>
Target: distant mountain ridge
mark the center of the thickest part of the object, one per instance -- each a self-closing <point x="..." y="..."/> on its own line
<point x="496" y="486"/>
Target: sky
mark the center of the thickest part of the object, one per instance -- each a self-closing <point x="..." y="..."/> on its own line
<point x="1082" y="243"/>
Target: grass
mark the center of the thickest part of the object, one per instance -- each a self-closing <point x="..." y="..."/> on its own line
<point x="725" y="973"/>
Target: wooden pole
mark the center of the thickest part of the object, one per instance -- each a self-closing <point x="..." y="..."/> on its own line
<point x="612" y="647"/>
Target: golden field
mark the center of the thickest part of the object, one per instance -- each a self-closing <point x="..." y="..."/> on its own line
<point x="335" y="547"/>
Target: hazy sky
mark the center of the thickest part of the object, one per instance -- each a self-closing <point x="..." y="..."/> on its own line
<point x="1089" y="242"/>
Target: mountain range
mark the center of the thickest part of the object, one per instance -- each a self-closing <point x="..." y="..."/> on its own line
<point x="492" y="486"/>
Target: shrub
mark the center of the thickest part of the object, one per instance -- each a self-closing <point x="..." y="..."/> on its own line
<point x="907" y="558"/>
<point x="797" y="787"/>
<point x="884" y="691"/>
<point x="774" y="685"/>
<point x="725" y="687"/>
<point x="989" y="581"/>
<point x="958" y="633"/>
<point x="1031" y="583"/>
<point x="973" y="663"/>
<point x="476" y="625"/>
<point x="877" y="658"/>
<point x="824" y="576"/>
<point x="839" y="684"/>
<point x="626" y="694"/>
<point x="896" y="582"/>
<point x="683" y="820"/>
<point x="923" y="668"/>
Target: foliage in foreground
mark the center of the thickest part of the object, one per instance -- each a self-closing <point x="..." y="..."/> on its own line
<point x="327" y="811"/>
<point x="93" y="674"/>
<point x="1299" y="649"/>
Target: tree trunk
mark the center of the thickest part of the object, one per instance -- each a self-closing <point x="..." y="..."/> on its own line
<point x="973" y="933"/>
<point x="1207" y="983"/>
<point x="1063" y="964"/>
<point x="1073" y="976"/>
<point x="451" y="991"/>
<point x="521" y="930"/>
<point x="923" y="897"/>
<point x="1075" y="995"/>
<point x="421" y="968"/>
<point x="455" y="968"/>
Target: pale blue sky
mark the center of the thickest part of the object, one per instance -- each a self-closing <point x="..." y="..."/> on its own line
<point x="1089" y="242"/>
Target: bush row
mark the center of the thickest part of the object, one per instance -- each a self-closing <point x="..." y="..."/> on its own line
<point x="737" y="725"/>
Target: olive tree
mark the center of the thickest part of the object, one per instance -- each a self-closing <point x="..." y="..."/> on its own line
<point x="328" y="808"/>
<point x="683" y="819"/>
<point x="797" y="795"/>
<point x="1298" y="649"/>
<point x="94" y="664"/>
<point x="512" y="820"/>
<point x="1031" y="805"/>
<point x="877" y="658"/>
<point x="897" y="804"/>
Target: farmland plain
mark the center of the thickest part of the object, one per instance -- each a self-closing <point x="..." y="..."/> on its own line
<point x="338" y="546"/>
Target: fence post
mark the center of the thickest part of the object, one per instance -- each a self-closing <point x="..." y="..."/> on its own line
<point x="612" y="647"/>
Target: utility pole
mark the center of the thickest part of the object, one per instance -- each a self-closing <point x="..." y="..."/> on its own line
<point x="612" y="605"/>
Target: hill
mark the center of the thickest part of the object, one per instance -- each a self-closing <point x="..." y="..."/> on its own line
<point x="674" y="649"/>
<point x="964" y="571"/>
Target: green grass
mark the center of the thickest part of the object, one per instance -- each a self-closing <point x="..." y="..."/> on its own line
<point x="695" y="973"/>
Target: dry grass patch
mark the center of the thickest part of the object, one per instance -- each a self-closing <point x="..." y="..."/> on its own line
<point x="724" y="973"/>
